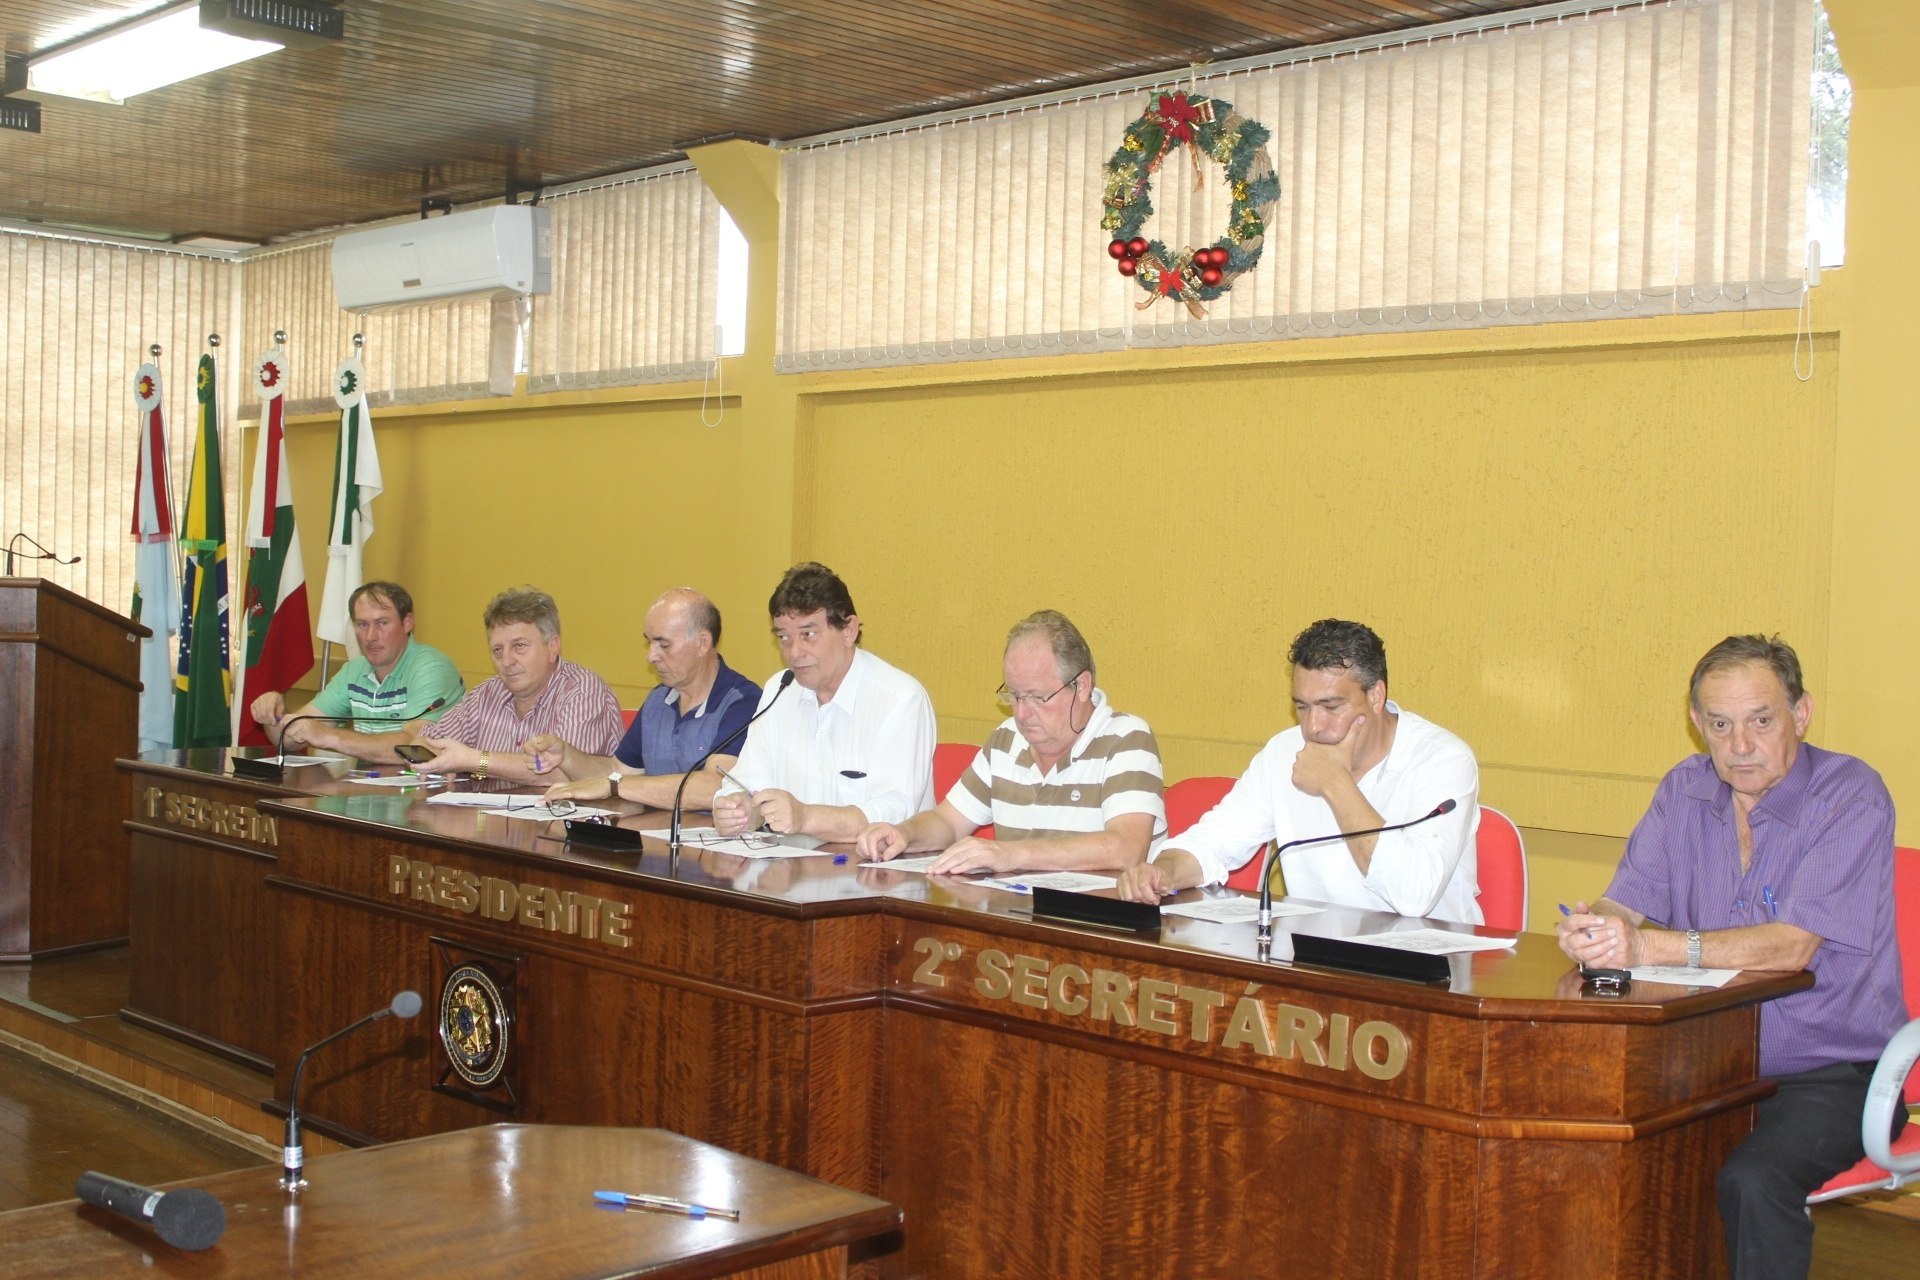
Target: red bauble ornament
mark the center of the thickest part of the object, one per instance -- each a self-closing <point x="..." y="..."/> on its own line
<point x="1212" y="276"/>
<point x="1136" y="247"/>
<point x="1127" y="266"/>
<point x="1217" y="257"/>
<point x="1118" y="249"/>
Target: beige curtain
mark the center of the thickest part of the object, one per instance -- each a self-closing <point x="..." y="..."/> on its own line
<point x="425" y="353"/>
<point x="76" y="321"/>
<point x="1620" y="162"/>
<point x="635" y="278"/>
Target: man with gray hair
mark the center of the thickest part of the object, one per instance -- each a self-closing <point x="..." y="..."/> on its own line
<point x="534" y="691"/>
<point x="1067" y="782"/>
<point x="1356" y="761"/>
<point x="1768" y="853"/>
<point x="700" y="706"/>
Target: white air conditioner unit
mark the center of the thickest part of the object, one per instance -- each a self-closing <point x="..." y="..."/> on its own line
<point x="506" y="249"/>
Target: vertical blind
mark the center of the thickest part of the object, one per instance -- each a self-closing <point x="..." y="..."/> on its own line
<point x="76" y="321"/>
<point x="635" y="278"/>
<point x="1627" y="160"/>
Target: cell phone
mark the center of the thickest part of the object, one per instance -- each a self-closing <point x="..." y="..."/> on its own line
<point x="414" y="753"/>
<point x="1605" y="982"/>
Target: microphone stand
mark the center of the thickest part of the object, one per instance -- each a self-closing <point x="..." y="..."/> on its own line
<point x="293" y="1153"/>
<point x="679" y="792"/>
<point x="44" y="554"/>
<point x="1275" y="849"/>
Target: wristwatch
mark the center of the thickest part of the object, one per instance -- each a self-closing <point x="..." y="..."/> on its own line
<point x="613" y="784"/>
<point x="1693" y="949"/>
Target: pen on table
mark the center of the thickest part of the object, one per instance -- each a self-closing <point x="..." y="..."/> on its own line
<point x="662" y="1204"/>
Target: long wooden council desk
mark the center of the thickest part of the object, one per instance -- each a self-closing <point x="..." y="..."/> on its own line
<point x="1043" y="1100"/>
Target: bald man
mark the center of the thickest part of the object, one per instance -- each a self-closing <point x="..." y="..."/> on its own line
<point x="700" y="703"/>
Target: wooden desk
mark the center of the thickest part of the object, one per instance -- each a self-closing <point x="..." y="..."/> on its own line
<point x="69" y="703"/>
<point x="507" y="1201"/>
<point x="1043" y="1100"/>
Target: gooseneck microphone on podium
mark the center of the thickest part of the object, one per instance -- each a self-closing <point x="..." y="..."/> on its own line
<point x="1275" y="850"/>
<point x="293" y="1154"/>
<point x="673" y="826"/>
<point x="186" y="1219"/>
<point x="39" y="553"/>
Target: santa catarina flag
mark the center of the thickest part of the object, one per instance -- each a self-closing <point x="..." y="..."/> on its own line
<point x="279" y="630"/>
<point x="203" y="678"/>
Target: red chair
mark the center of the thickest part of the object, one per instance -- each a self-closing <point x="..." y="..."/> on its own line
<point x="950" y="760"/>
<point x="1900" y="1161"/>
<point x="1502" y="859"/>
<point x="627" y="715"/>
<point x="1188" y="801"/>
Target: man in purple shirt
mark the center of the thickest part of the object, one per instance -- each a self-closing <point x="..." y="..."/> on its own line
<point x="1768" y="854"/>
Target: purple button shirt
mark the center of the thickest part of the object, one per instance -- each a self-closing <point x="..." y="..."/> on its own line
<point x="1822" y="861"/>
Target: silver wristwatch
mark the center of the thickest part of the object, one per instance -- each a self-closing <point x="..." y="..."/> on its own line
<point x="1693" y="949"/>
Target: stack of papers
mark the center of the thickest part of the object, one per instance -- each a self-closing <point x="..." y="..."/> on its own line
<point x="1238" y="909"/>
<point x="1682" y="976"/>
<point x="1433" y="942"/>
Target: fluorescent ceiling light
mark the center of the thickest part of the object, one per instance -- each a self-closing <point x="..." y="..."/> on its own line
<point x="150" y="53"/>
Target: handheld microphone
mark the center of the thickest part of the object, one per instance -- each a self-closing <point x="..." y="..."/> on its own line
<point x="673" y="832"/>
<point x="186" y="1219"/>
<point x="293" y="1154"/>
<point x="1275" y="850"/>
<point x="44" y="554"/>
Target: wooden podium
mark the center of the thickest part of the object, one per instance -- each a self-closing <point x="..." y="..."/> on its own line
<point x="69" y="704"/>
<point x="502" y="1201"/>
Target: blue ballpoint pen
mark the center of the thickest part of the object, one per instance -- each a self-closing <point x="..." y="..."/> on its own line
<point x="1766" y="896"/>
<point x="663" y="1204"/>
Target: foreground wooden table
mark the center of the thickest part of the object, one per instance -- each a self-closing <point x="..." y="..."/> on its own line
<point x="1043" y="1100"/>
<point x="508" y="1201"/>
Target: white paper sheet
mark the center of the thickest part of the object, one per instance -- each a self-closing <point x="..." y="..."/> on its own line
<point x="754" y="844"/>
<point x="1239" y="909"/>
<point x="397" y="780"/>
<point x="1433" y="942"/>
<point x="294" y="762"/>
<point x="917" y="863"/>
<point x="1071" y="881"/>
<point x="1682" y="976"/>
<point x="485" y="799"/>
<point x="545" y="813"/>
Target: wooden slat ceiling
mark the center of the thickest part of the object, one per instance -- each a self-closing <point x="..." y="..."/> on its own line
<point x="458" y="99"/>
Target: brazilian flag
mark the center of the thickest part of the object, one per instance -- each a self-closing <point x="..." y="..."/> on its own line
<point x="203" y="680"/>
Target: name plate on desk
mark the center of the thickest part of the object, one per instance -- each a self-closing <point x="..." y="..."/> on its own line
<point x="1110" y="997"/>
<point x="191" y="812"/>
<point x="533" y="906"/>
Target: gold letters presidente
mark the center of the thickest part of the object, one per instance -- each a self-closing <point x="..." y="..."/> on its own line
<point x="535" y="906"/>
<point x="1276" y="1030"/>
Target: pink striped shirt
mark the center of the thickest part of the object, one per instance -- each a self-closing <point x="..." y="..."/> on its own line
<point x="576" y="705"/>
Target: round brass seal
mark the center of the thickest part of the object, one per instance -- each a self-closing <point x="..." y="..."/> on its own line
<point x="474" y="1025"/>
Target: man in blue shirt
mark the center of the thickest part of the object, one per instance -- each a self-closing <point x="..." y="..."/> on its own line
<point x="392" y="685"/>
<point x="700" y="703"/>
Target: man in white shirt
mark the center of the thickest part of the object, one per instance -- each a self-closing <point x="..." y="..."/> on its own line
<point x="1354" y="762"/>
<point x="849" y="745"/>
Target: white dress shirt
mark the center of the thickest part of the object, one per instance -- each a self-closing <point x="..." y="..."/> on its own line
<point x="1428" y="870"/>
<point x="870" y="747"/>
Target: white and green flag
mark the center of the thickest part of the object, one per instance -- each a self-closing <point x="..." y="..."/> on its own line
<point x="356" y="483"/>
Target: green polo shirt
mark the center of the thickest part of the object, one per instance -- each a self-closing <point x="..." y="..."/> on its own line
<point x="423" y="676"/>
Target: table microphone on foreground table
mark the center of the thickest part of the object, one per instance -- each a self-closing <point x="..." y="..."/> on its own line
<point x="673" y="833"/>
<point x="436" y="705"/>
<point x="186" y="1219"/>
<point x="293" y="1158"/>
<point x="1274" y="851"/>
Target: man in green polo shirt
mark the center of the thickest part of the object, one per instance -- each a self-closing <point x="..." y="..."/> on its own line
<point x="395" y="683"/>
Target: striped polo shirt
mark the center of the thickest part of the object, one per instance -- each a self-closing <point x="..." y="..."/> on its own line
<point x="1112" y="768"/>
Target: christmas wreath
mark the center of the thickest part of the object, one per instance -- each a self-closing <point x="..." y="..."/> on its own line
<point x="1206" y="129"/>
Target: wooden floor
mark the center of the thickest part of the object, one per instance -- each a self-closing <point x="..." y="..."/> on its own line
<point x="54" y="1124"/>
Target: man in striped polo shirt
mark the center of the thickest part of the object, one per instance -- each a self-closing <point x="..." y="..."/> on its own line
<point x="1067" y="782"/>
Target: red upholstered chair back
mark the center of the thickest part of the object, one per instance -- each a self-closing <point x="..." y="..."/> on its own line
<point x="950" y="760"/>
<point x="1906" y="926"/>
<point x="1502" y="860"/>
<point x="1188" y="801"/>
<point x="627" y="714"/>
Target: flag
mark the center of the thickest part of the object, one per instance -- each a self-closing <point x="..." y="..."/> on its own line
<point x="156" y="591"/>
<point x="203" y="679"/>
<point x="356" y="483"/>
<point x="279" y="630"/>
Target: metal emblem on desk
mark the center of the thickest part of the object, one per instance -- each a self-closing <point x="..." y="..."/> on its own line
<point x="475" y="1029"/>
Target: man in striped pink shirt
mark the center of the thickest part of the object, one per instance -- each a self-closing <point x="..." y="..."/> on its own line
<point x="534" y="691"/>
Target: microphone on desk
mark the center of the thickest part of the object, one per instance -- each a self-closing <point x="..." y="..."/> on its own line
<point x="418" y="715"/>
<point x="293" y="1156"/>
<point x="1275" y="850"/>
<point x="186" y="1219"/>
<point x="44" y="554"/>
<point x="673" y="829"/>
